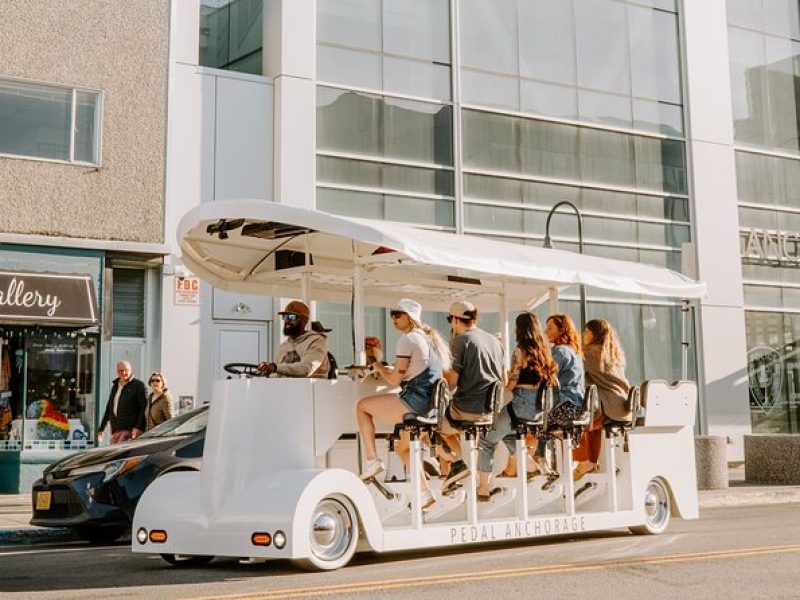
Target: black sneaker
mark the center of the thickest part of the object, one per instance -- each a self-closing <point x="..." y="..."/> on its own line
<point x="458" y="471"/>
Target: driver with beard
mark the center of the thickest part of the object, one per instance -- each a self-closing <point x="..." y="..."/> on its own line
<point x="304" y="353"/>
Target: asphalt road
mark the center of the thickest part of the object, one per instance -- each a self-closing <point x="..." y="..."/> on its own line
<point x="748" y="552"/>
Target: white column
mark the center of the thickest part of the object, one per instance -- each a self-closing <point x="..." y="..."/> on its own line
<point x="289" y="58"/>
<point x="721" y="336"/>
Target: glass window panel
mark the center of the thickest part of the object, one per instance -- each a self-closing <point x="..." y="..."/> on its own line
<point x="748" y="85"/>
<point x="493" y="218"/>
<point x="86" y="122"/>
<point x="627" y="321"/>
<point x="231" y="34"/>
<point x="611" y="230"/>
<point x="549" y="100"/>
<point x="661" y="342"/>
<point x="491" y="141"/>
<point x="417" y="28"/>
<point x="782" y="93"/>
<point x="492" y="188"/>
<point x="746" y="13"/>
<point x="489" y="35"/>
<point x="246" y="28"/>
<point x="662" y="4"/>
<point x="429" y="181"/>
<point x="676" y="209"/>
<point x="252" y="63"/>
<point x="548" y="149"/>
<point x="35" y="120"/>
<point x="485" y="89"/>
<point x="660" y="234"/>
<point x="655" y="59"/>
<point x="349" y="67"/>
<point x="379" y="175"/>
<point x="791" y="298"/>
<point x="606" y="157"/>
<point x="781" y="17"/>
<point x="416" y="78"/>
<point x="386" y="207"/>
<point x="420" y="210"/>
<point x="349" y="122"/>
<point x="605" y="108"/>
<point x="548" y="195"/>
<point x="547" y="41"/>
<point x="603" y="57"/>
<point x="761" y="219"/>
<point x="660" y="165"/>
<point x="350" y="23"/>
<point x="418" y="131"/>
<point x="762" y="296"/>
<point x="608" y="202"/>
<point x="756" y="179"/>
<point x="349" y="172"/>
<point x="659" y="117"/>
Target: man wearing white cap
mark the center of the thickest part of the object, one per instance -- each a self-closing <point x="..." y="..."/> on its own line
<point x="477" y="365"/>
<point x="304" y="353"/>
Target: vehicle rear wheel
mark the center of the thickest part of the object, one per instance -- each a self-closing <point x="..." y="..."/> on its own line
<point x="333" y="535"/>
<point x="185" y="561"/>
<point x="657" y="509"/>
<point x="100" y="535"/>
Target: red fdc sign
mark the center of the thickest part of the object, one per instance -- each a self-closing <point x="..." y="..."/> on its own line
<point x="187" y="291"/>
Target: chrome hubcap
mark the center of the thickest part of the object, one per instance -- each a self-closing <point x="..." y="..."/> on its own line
<point x="331" y="530"/>
<point x="656" y="505"/>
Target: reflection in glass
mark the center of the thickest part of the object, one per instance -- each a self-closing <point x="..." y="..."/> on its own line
<point x="655" y="63"/>
<point x="87" y="118"/>
<point x="348" y="67"/>
<point x="489" y="35"/>
<point x="547" y="41"/>
<point x="350" y="23"/>
<point x="602" y="40"/>
<point x="231" y="34"/>
<point x="417" y="28"/>
<point x="35" y="120"/>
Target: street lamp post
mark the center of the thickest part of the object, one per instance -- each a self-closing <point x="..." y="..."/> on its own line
<point x="548" y="243"/>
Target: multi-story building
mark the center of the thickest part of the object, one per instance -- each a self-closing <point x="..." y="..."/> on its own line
<point x="671" y="125"/>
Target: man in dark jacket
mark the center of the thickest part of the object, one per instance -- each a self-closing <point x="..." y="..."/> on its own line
<point x="126" y="406"/>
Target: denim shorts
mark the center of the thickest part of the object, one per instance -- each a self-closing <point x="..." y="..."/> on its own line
<point x="524" y="403"/>
<point x="417" y="399"/>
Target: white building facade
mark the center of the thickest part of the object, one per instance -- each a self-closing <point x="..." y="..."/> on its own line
<point x="671" y="125"/>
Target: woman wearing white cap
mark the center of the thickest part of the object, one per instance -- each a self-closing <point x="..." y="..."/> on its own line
<point x="420" y="357"/>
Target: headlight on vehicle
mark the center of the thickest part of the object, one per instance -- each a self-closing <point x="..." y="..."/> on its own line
<point x="118" y="468"/>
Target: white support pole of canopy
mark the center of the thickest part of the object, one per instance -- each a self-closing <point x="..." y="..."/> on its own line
<point x="553" y="300"/>
<point x="305" y="281"/>
<point x="359" y="351"/>
<point x="504" y="328"/>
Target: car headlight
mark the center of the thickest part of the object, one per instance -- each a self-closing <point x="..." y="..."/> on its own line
<point x="118" y="468"/>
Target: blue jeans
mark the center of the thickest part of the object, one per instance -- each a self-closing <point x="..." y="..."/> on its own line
<point x="525" y="407"/>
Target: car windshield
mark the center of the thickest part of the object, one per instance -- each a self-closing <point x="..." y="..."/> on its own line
<point x="185" y="424"/>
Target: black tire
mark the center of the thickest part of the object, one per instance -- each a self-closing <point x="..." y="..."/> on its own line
<point x="101" y="535"/>
<point x="182" y="561"/>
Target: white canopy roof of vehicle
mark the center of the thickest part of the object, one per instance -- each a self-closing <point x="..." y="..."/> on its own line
<point x="251" y="246"/>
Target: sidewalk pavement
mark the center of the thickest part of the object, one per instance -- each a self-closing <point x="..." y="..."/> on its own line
<point x="15" y="510"/>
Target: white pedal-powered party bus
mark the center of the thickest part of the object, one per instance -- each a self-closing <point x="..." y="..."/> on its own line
<point x="280" y="474"/>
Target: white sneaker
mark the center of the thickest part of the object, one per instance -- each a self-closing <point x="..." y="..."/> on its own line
<point x="427" y="500"/>
<point x="372" y="468"/>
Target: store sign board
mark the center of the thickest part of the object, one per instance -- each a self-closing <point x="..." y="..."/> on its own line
<point x="47" y="299"/>
<point x="771" y="247"/>
<point x="187" y="291"/>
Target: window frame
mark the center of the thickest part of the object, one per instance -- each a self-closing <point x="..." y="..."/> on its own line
<point x="97" y="141"/>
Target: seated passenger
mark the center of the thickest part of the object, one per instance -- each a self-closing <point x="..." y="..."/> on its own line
<point x="604" y="361"/>
<point x="477" y="366"/>
<point x="531" y="365"/>
<point x="420" y="357"/>
<point x="568" y="400"/>
<point x="304" y="353"/>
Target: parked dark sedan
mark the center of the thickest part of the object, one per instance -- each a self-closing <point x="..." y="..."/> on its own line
<point x="95" y="492"/>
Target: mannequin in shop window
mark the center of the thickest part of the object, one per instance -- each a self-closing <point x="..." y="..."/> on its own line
<point x="126" y="406"/>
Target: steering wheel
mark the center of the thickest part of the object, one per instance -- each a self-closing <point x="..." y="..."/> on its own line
<point x="243" y="369"/>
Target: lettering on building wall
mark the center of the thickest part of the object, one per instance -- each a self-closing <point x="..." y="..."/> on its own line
<point x="47" y="298"/>
<point x="762" y="246"/>
<point x="187" y="291"/>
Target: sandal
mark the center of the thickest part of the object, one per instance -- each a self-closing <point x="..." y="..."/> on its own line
<point x="582" y="470"/>
<point x="487" y="497"/>
<point x="552" y="477"/>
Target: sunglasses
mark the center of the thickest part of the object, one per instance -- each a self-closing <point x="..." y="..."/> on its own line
<point x="155" y="381"/>
<point x="450" y="318"/>
<point x="291" y="317"/>
<point x="396" y="314"/>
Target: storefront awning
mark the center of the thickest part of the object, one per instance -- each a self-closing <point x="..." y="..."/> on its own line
<point x="47" y="299"/>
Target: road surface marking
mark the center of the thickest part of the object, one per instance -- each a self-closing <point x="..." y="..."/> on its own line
<point x="389" y="584"/>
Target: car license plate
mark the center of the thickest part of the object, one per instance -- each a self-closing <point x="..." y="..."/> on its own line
<point x="43" y="500"/>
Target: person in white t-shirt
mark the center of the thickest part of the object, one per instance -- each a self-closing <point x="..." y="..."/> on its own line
<point x="420" y="358"/>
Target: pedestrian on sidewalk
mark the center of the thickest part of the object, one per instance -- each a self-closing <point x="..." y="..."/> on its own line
<point x="125" y="407"/>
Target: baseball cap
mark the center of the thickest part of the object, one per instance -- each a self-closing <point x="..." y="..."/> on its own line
<point x="296" y="307"/>
<point x="411" y="307"/>
<point x="463" y="310"/>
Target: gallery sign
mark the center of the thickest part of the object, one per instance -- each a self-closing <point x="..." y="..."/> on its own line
<point x="762" y="246"/>
<point x="47" y="299"/>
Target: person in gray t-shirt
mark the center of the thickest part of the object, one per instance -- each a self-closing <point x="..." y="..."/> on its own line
<point x="477" y="365"/>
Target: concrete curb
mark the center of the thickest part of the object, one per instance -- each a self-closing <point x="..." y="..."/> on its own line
<point x="18" y="536"/>
<point x="749" y="496"/>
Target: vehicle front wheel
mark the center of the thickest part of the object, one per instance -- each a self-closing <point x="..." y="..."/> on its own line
<point x="657" y="509"/>
<point x="333" y="535"/>
<point x="184" y="561"/>
<point x="100" y="535"/>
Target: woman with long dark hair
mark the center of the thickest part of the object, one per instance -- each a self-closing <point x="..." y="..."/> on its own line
<point x="531" y="365"/>
<point x="604" y="360"/>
